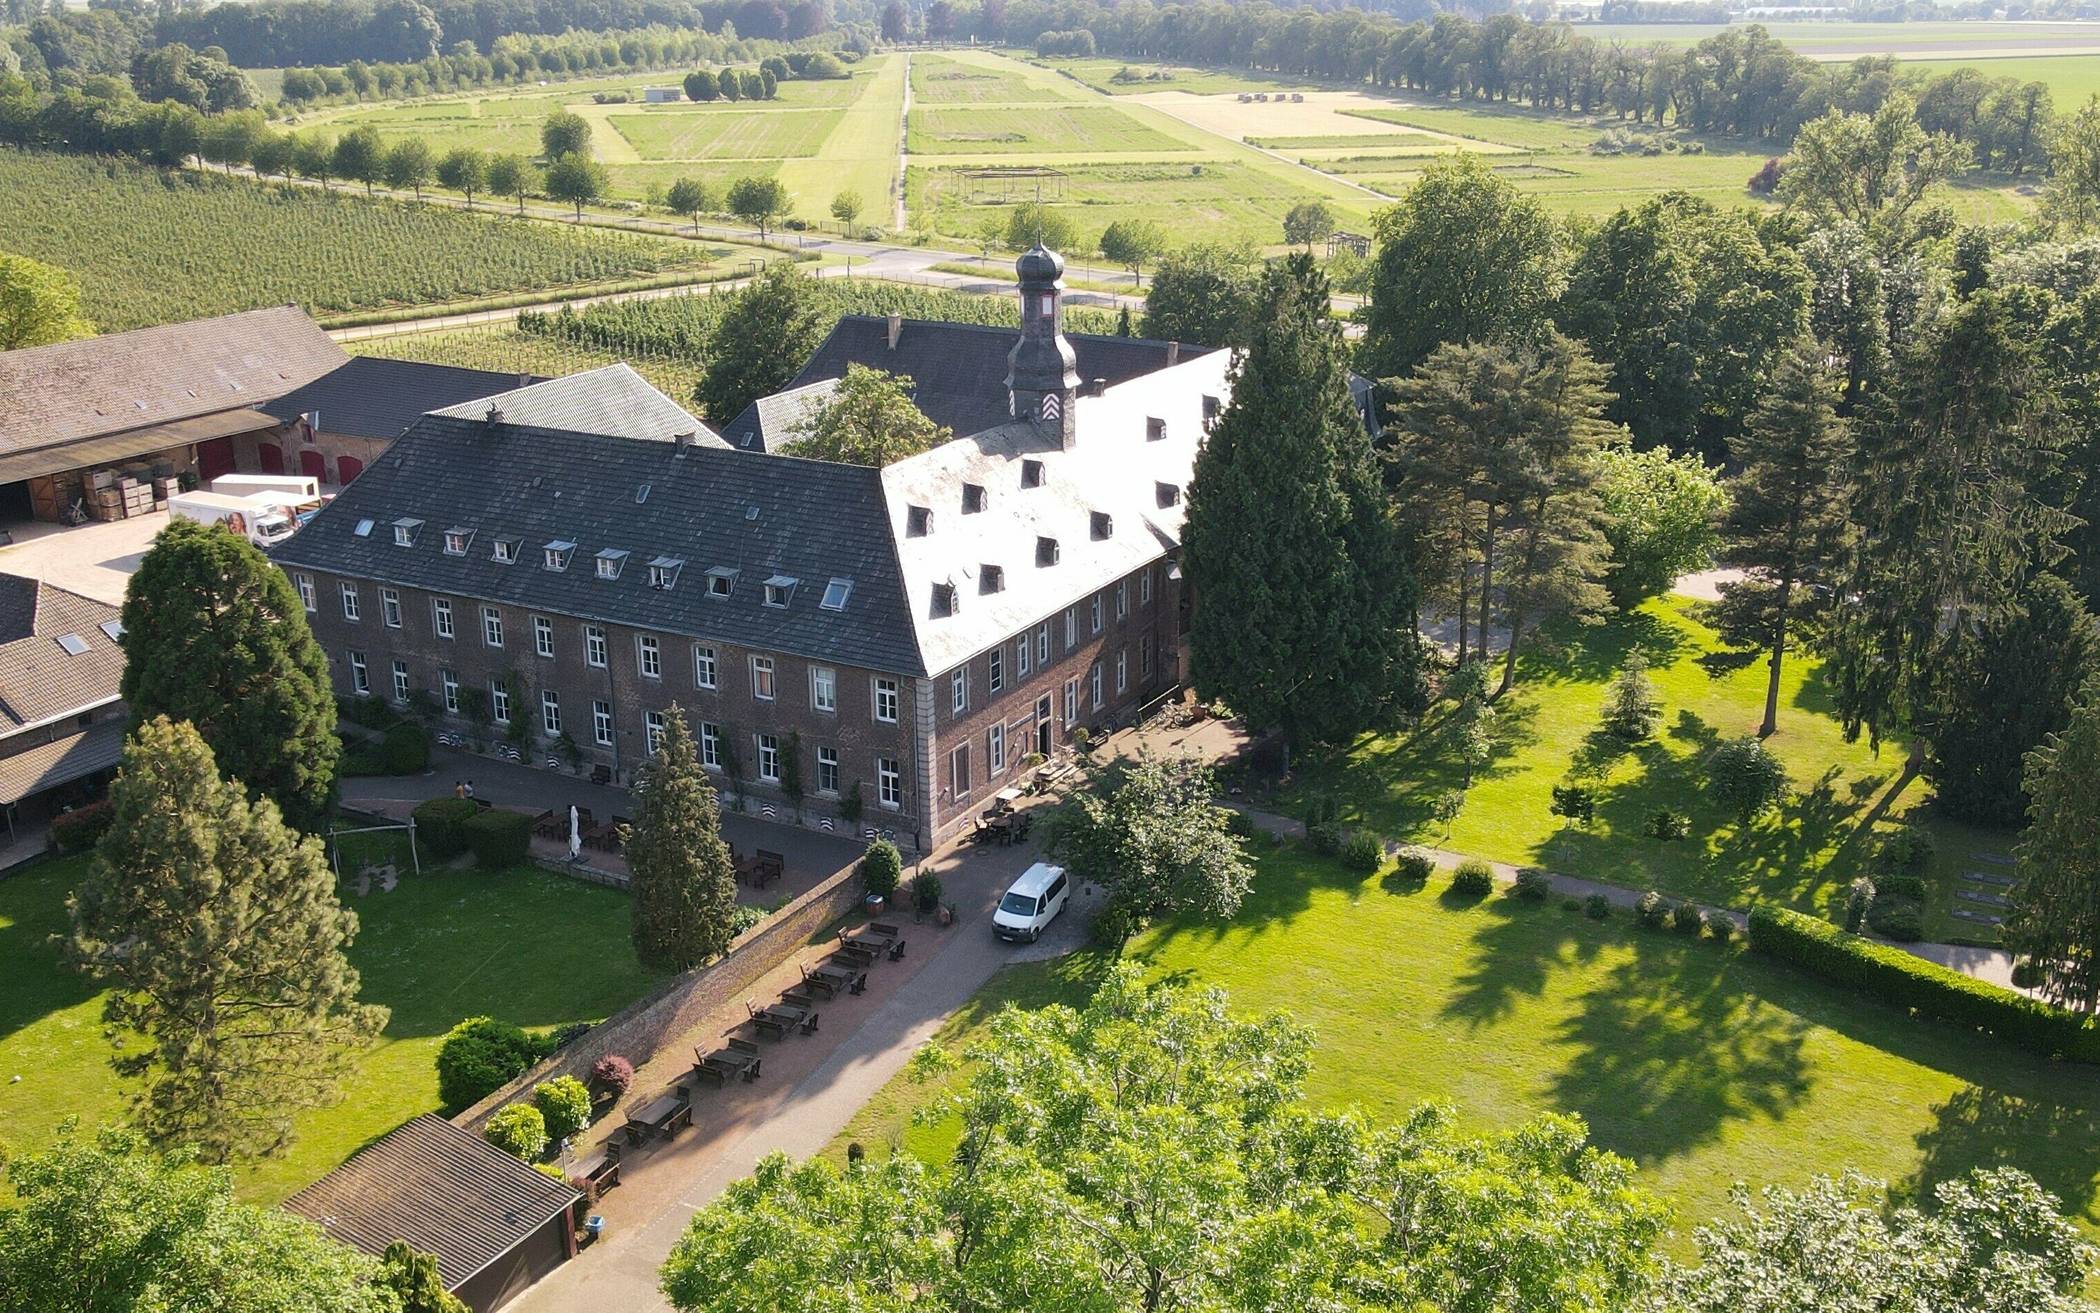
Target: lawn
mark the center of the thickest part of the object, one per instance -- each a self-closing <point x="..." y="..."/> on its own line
<point x="1100" y="74"/>
<point x="939" y="81"/>
<point x="1803" y="855"/>
<point x="523" y="945"/>
<point x="1703" y="1065"/>
<point x="712" y="133"/>
<point x="1033" y="130"/>
<point x="2071" y="78"/>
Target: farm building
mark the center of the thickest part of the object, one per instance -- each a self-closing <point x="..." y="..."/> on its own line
<point x="61" y="724"/>
<point x="662" y="95"/>
<point x="335" y="426"/>
<point x="495" y="1224"/>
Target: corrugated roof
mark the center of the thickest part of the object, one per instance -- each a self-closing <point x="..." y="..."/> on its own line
<point x="612" y="400"/>
<point x="62" y="761"/>
<point x="111" y="448"/>
<point x="444" y="1190"/>
<point x="39" y="678"/>
<point x="378" y="397"/>
<point x="101" y="385"/>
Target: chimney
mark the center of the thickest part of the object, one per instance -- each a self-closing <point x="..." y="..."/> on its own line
<point x="524" y="380"/>
<point x="1094" y="387"/>
<point x="680" y="441"/>
<point x="896" y="328"/>
<point x="494" y="417"/>
<point x="1173" y="354"/>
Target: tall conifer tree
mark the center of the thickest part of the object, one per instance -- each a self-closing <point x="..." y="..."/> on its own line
<point x="684" y="885"/>
<point x="2055" y="923"/>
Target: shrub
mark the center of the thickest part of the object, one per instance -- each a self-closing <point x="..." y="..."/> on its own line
<point x="82" y="828"/>
<point x="1320" y="808"/>
<point x="926" y="891"/>
<point x="499" y="838"/>
<point x="1766" y="180"/>
<point x="1859" y="899"/>
<point x="1413" y="865"/>
<point x="1720" y="927"/>
<point x="744" y="916"/>
<point x="1363" y="851"/>
<point x="1686" y="918"/>
<point x="1474" y="879"/>
<point x="1906" y="852"/>
<point x="1668" y="824"/>
<point x="1577" y="802"/>
<point x="1597" y="907"/>
<point x="1326" y="838"/>
<point x="1653" y="910"/>
<point x="1900" y="919"/>
<point x="405" y="750"/>
<point x="1114" y="924"/>
<point x="564" y="1105"/>
<point x="519" y="1130"/>
<point x="1745" y="778"/>
<point x="1900" y="886"/>
<point x="1533" y="886"/>
<point x="1571" y="904"/>
<point x="880" y="867"/>
<point x="441" y="826"/>
<point x="563" y="1036"/>
<point x="478" y="1057"/>
<point x="613" y="1074"/>
<point x="1895" y="976"/>
<point x="1632" y="709"/>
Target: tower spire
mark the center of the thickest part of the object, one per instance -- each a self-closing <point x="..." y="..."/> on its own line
<point x="1042" y="371"/>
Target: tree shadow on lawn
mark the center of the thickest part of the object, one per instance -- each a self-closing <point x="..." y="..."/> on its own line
<point x="35" y="981"/>
<point x="1565" y="651"/>
<point x="2057" y="1144"/>
<point x="1520" y="949"/>
<point x="1393" y="783"/>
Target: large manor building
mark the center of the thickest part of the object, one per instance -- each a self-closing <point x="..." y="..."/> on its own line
<point x="909" y="637"/>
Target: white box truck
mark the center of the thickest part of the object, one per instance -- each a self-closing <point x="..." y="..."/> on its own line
<point x="260" y="519"/>
<point x="304" y="487"/>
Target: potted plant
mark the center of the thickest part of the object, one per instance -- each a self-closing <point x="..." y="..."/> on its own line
<point x="881" y="866"/>
<point x="925" y="895"/>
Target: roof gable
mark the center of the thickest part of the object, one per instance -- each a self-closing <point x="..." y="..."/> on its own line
<point x="612" y="400"/>
<point x="379" y="397"/>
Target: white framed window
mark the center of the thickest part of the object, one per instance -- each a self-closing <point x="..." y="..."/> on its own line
<point x="959" y="690"/>
<point x="823" y="689"/>
<point x="762" y="678"/>
<point x="648" y="658"/>
<point x="653" y="730"/>
<point x="710" y="745"/>
<point x="405" y="532"/>
<point x="543" y="636"/>
<point x="499" y="701"/>
<point x="555" y="555"/>
<point x="349" y="601"/>
<point x="780" y="590"/>
<point x="449" y="682"/>
<point x="1094" y="678"/>
<point x="1096" y="613"/>
<point x="491" y="626"/>
<point x="1071" y="627"/>
<point x="885" y="700"/>
<point x="1122" y="599"/>
<point x="456" y="541"/>
<point x="998" y="668"/>
<point x="360" y="677"/>
<point x="610" y="562"/>
<point x="505" y="551"/>
<point x="959" y="770"/>
<point x="703" y="666"/>
<point x="1145" y="656"/>
<point x="995" y="749"/>
<point x="594" y="646"/>
<point x="441" y="616"/>
<point x="550" y="712"/>
<point x="390" y="607"/>
<point x="1122" y="671"/>
<point x="1071" y="703"/>
<point x="889" y="783"/>
<point x="1021" y="657"/>
<point x="828" y="771"/>
<point x="305" y="585"/>
<point x="401" y="682"/>
<point x="769" y="758"/>
<point x="602" y="723"/>
<point x="1145" y="587"/>
<point x="1042" y="645"/>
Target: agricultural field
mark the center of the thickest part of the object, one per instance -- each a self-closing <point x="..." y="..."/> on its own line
<point x="1079" y="130"/>
<point x="505" y="349"/>
<point x="1100" y="74"/>
<point x="2071" y="79"/>
<point x="152" y="247"/>
<point x="711" y="134"/>
<point x="1833" y="41"/>
<point x="936" y="80"/>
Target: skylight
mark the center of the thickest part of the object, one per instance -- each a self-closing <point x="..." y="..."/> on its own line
<point x="113" y="630"/>
<point x="73" y="644"/>
<point x="362" y="529"/>
<point x="835" y="594"/>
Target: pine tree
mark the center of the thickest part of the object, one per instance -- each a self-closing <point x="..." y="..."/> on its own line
<point x="218" y="930"/>
<point x="215" y="636"/>
<point x="1786" y="515"/>
<point x="1306" y="618"/>
<point x="411" y="1277"/>
<point x="2055" y="924"/>
<point x="768" y="332"/>
<point x="684" y="886"/>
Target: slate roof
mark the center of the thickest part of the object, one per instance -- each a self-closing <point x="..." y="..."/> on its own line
<point x="374" y="397"/>
<point x="61" y="761"/>
<point x="612" y="400"/>
<point x="780" y="419"/>
<point x="444" y="1190"/>
<point x="959" y="370"/>
<point x="39" y="679"/>
<point x="100" y="385"/>
<point x="707" y="506"/>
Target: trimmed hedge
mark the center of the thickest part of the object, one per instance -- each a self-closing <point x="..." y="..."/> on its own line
<point x="82" y="828"/>
<point x="1931" y="990"/>
<point x="441" y="826"/>
<point x="405" y="750"/>
<point x="499" y="838"/>
<point x="478" y="1057"/>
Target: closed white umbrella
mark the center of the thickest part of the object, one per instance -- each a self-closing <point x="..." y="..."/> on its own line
<point x="575" y="835"/>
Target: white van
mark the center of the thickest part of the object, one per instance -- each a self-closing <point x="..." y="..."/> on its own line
<point x="1032" y="903"/>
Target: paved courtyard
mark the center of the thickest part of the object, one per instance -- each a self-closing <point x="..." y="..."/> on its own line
<point x="94" y="559"/>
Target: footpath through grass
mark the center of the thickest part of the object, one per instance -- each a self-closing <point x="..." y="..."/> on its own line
<point x="1703" y="1064"/>
<point x="521" y="944"/>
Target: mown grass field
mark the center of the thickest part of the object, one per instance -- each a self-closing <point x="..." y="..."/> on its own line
<point x="1100" y="74"/>
<point x="1032" y="130"/>
<point x="152" y="247"/>
<point x="1209" y="202"/>
<point x="1704" y="1065"/>
<point x="938" y="80"/>
<point x="2072" y="79"/>
<point x="522" y="945"/>
<point x="1849" y="40"/>
<point x="708" y="133"/>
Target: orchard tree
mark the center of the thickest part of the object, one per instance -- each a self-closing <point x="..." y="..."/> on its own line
<point x="409" y="165"/>
<point x="464" y="170"/>
<point x="689" y="197"/>
<point x="1133" y="244"/>
<point x="313" y="158"/>
<point x="215" y="636"/>
<point x="218" y="933"/>
<point x="870" y="419"/>
<point x="39" y="304"/>
<point x="771" y="326"/>
<point x="846" y="207"/>
<point x="1152" y="834"/>
<point x="1308" y="620"/>
<point x="565" y="132"/>
<point x="684" y="884"/>
<point x="1787" y="515"/>
<point x="1202" y="294"/>
<point x="1661" y="515"/>
<point x="1307" y="223"/>
<point x="760" y="202"/>
<point x="360" y="156"/>
<point x="512" y="175"/>
<point x="577" y="179"/>
<point x="2055" y="922"/>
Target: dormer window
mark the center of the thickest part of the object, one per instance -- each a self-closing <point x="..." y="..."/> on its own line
<point x="835" y="594"/>
<point x="457" y="541"/>
<point x="405" y="531"/>
<point x="918" y="521"/>
<point x="991" y="579"/>
<point x="1103" y="526"/>
<point x="1031" y="474"/>
<point x="1211" y="407"/>
<point x="1168" y="493"/>
<point x="944" y="599"/>
<point x="721" y="581"/>
<point x="555" y="555"/>
<point x="506" y="550"/>
<point x="780" y="590"/>
<point x="610" y="563"/>
<point x="1046" y="551"/>
<point x="362" y="529"/>
<point x="973" y="498"/>
<point x="663" y="572"/>
<point x="1155" y="428"/>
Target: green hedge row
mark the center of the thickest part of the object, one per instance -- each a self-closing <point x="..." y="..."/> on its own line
<point x="499" y="838"/>
<point x="1909" y="981"/>
<point x="441" y="826"/>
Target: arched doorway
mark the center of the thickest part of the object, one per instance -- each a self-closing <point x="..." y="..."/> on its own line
<point x="348" y="468"/>
<point x="214" y="457"/>
<point x="313" y="464"/>
<point x="270" y="456"/>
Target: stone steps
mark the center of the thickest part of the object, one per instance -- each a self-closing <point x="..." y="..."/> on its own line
<point x="1986" y="877"/>
<point x="1979" y="896"/>
<point x="1980" y="918"/>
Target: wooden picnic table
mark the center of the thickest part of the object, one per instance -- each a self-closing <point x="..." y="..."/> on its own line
<point x="602" y="1168"/>
<point x="859" y="954"/>
<point x="547" y="826"/>
<point x="662" y="1115"/>
<point x="831" y="977"/>
<point x="741" y="1058"/>
<point x="780" y="1018"/>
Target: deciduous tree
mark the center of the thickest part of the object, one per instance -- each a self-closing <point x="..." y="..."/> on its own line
<point x="1874" y="170"/>
<point x="1661" y="515"/>
<point x="1033" y="223"/>
<point x="769" y="329"/>
<point x="1153" y="835"/>
<point x="39" y="304"/>
<point x="360" y="156"/>
<point x="512" y="175"/>
<point x="2071" y="199"/>
<point x="217" y="928"/>
<point x="577" y="179"/>
<point x="689" y="197"/>
<point x="464" y="170"/>
<point x="846" y="207"/>
<point x="700" y="84"/>
<point x="412" y="1279"/>
<point x="869" y="420"/>
<point x="1133" y="243"/>
<point x="409" y="165"/>
<point x="564" y="132"/>
<point x="1202" y="293"/>
<point x="684" y="885"/>
<point x="758" y="201"/>
<point x="1308" y="222"/>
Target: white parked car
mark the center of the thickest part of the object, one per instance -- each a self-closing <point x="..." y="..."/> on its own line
<point x="1032" y="902"/>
